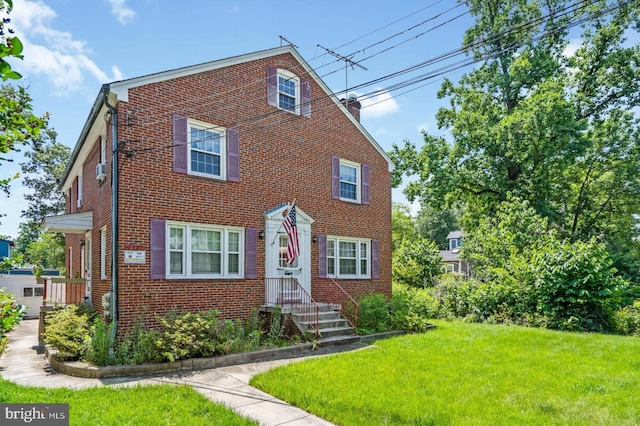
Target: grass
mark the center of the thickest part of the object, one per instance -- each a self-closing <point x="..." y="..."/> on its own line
<point x="141" y="405"/>
<point x="478" y="374"/>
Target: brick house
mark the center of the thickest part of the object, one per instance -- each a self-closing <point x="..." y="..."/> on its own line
<point x="209" y="157"/>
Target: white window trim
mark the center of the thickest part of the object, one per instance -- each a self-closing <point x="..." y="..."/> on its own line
<point x="186" y="267"/>
<point x="454" y="243"/>
<point x="79" y="198"/>
<point x="103" y="253"/>
<point x="358" y="183"/>
<point x="290" y="76"/>
<point x="223" y="148"/>
<point x="103" y="149"/>
<point x="358" y="241"/>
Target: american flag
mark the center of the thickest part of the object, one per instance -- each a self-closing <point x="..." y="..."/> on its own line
<point x="290" y="225"/>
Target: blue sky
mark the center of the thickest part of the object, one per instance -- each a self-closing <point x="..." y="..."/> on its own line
<point x="72" y="47"/>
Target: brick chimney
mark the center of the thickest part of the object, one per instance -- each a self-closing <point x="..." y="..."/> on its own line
<point x="353" y="105"/>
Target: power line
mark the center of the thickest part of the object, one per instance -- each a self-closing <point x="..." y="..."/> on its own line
<point x="436" y="73"/>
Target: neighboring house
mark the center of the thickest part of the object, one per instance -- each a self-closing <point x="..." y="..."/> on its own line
<point x="451" y="262"/>
<point x="208" y="157"/>
<point x="6" y="247"/>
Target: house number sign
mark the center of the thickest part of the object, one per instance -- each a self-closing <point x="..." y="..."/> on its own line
<point x="135" y="257"/>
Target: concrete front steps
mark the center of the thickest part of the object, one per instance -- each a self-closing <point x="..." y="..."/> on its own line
<point x="334" y="329"/>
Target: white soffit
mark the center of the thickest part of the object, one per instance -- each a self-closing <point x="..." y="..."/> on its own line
<point x="74" y="223"/>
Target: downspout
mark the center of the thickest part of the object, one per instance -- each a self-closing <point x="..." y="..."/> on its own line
<point x="114" y="209"/>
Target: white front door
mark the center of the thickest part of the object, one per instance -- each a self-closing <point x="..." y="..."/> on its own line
<point x="276" y="240"/>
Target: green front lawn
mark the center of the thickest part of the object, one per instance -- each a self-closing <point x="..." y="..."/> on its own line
<point x="141" y="405"/>
<point x="479" y="374"/>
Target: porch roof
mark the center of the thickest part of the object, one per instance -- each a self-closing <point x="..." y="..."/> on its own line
<point x="73" y="223"/>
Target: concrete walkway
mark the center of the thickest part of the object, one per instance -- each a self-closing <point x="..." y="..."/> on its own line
<point x="24" y="363"/>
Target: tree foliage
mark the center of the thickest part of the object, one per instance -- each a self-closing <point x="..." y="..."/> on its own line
<point x="43" y="172"/>
<point x="553" y="128"/>
<point x="416" y="263"/>
<point x="18" y="124"/>
<point x="435" y="224"/>
<point x="402" y="225"/>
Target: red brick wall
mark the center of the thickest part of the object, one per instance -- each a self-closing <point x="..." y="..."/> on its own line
<point x="282" y="156"/>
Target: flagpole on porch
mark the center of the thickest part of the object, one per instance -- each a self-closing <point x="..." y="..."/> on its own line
<point x="293" y="203"/>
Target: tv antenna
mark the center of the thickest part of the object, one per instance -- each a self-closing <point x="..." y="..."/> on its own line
<point x="347" y="62"/>
<point x="283" y="38"/>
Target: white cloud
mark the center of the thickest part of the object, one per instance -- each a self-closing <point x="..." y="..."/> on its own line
<point x="124" y="14"/>
<point x="54" y="53"/>
<point x="379" y="105"/>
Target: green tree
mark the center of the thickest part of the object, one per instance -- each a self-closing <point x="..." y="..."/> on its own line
<point x="47" y="251"/>
<point x="18" y="125"/>
<point x="556" y="130"/>
<point x="416" y="262"/>
<point x="435" y="224"/>
<point x="402" y="226"/>
<point x="42" y="173"/>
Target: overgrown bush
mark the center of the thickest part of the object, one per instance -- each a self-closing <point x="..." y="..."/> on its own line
<point x="454" y="295"/>
<point x="373" y="314"/>
<point x="10" y="312"/>
<point x="411" y="308"/>
<point x="627" y="320"/>
<point x="576" y="285"/>
<point x="66" y="330"/>
<point x="137" y="346"/>
<point x="100" y="344"/>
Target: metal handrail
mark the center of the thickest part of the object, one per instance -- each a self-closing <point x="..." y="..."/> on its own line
<point x="286" y="291"/>
<point x="354" y="319"/>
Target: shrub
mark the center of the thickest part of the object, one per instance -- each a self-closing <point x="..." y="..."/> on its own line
<point x="66" y="330"/>
<point x="10" y="312"/>
<point x="188" y="335"/>
<point x="453" y="293"/>
<point x="627" y="320"/>
<point x="411" y="308"/>
<point x="138" y="346"/>
<point x="373" y="314"/>
<point x="100" y="345"/>
<point x="576" y="285"/>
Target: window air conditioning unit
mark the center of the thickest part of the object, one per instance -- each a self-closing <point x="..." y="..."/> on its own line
<point x="101" y="171"/>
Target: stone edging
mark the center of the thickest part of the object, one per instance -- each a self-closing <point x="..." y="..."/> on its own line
<point x="80" y="369"/>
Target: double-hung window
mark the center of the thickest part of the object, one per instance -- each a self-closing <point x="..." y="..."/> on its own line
<point x="204" y="251"/>
<point x="348" y="257"/>
<point x="206" y="150"/>
<point x="288" y="91"/>
<point x="349" y="181"/>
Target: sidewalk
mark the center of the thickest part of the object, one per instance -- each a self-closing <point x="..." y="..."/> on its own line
<point x="23" y="364"/>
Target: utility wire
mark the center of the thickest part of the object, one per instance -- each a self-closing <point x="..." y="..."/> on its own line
<point x="423" y="77"/>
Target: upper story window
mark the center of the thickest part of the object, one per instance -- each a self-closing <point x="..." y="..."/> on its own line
<point x="454" y="243"/>
<point x="206" y="150"/>
<point x="79" y="192"/>
<point x="286" y="91"/>
<point x="350" y="181"/>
